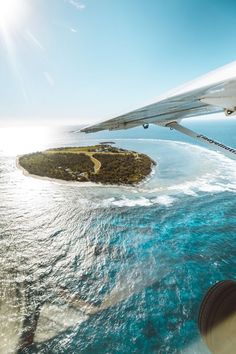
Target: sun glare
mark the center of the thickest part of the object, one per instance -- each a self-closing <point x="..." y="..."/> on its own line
<point x="12" y="12"/>
<point x="23" y="139"/>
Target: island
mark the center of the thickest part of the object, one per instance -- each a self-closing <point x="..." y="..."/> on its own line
<point x="104" y="164"/>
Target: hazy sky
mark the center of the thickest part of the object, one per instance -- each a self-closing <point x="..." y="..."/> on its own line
<point x="82" y="61"/>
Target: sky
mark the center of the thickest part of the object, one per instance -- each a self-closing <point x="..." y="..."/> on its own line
<point x="81" y="61"/>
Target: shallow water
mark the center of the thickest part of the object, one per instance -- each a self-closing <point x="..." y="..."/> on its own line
<point x="141" y="256"/>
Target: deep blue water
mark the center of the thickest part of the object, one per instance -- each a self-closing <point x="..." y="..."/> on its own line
<point x="145" y="255"/>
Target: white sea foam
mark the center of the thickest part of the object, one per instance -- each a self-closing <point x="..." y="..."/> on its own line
<point x="132" y="202"/>
<point x="125" y="201"/>
<point x="207" y="172"/>
<point x="165" y="200"/>
<point x="182" y="169"/>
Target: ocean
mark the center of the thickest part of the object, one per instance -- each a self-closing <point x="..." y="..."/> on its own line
<point x="140" y="257"/>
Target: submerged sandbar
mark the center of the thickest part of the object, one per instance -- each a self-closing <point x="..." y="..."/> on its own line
<point x="99" y="163"/>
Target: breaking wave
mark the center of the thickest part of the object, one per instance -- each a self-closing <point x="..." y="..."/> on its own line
<point x="203" y="171"/>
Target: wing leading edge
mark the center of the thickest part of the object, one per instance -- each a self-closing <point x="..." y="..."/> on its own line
<point x="213" y="93"/>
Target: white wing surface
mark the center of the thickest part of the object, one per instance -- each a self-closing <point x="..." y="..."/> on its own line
<point x="212" y="93"/>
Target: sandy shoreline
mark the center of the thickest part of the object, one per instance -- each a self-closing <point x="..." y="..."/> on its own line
<point x="81" y="184"/>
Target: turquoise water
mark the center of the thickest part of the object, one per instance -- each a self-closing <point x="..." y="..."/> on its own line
<point x="169" y="258"/>
<point x="143" y="256"/>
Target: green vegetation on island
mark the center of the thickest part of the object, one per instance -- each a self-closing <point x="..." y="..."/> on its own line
<point x="100" y="164"/>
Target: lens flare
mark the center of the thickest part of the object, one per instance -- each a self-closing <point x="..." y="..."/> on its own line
<point x="12" y="12"/>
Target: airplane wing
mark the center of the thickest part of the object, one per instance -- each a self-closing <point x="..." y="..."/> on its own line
<point x="212" y="93"/>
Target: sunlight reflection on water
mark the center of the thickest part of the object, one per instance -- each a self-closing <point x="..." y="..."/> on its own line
<point x="148" y="252"/>
<point x="19" y="140"/>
